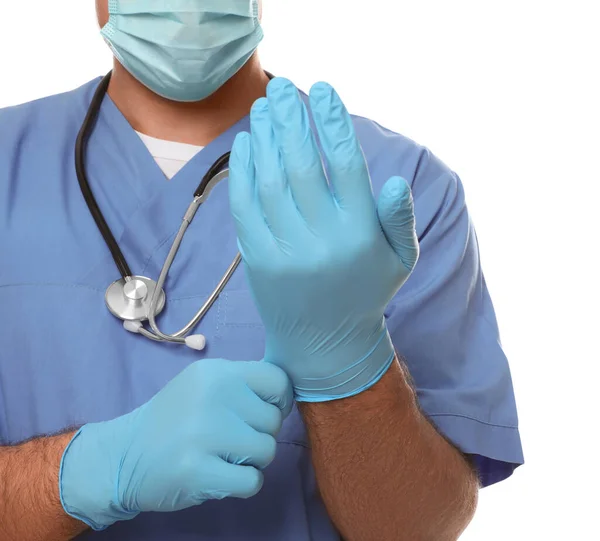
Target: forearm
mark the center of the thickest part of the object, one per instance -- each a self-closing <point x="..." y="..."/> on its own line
<point x="383" y="470"/>
<point x="30" y="508"/>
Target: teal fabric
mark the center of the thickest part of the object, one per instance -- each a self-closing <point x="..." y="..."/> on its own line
<point x="183" y="50"/>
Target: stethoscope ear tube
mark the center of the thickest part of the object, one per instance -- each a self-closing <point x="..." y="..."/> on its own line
<point x="80" y="151"/>
<point x="221" y="163"/>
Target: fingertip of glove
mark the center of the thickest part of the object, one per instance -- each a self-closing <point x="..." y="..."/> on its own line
<point x="280" y="85"/>
<point x="321" y="94"/>
<point x="259" y="108"/>
<point x="396" y="196"/>
<point x="396" y="187"/>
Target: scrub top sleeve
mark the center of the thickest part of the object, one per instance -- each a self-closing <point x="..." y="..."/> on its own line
<point x="442" y="323"/>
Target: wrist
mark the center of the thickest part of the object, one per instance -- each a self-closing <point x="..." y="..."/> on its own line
<point x="344" y="371"/>
<point x="88" y="475"/>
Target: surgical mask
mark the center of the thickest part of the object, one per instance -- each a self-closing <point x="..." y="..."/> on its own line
<point x="183" y="50"/>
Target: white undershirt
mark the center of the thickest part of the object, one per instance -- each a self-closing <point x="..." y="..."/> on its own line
<point x="170" y="156"/>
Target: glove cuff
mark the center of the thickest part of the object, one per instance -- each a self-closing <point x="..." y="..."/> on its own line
<point x="87" y="481"/>
<point x="353" y="380"/>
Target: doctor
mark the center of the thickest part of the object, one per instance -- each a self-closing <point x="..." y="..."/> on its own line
<point x="384" y="400"/>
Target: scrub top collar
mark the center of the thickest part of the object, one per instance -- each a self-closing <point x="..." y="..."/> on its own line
<point x="151" y="180"/>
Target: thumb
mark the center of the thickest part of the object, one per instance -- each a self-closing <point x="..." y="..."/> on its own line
<point x="269" y="382"/>
<point x="397" y="218"/>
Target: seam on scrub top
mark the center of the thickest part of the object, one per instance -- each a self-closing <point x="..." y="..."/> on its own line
<point x="512" y="427"/>
<point x="203" y="294"/>
<point x="157" y="248"/>
<point x="297" y="443"/>
<point x="218" y="317"/>
<point x="50" y="284"/>
<point x="199" y="296"/>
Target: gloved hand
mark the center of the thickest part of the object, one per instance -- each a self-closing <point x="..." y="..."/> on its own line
<point x="206" y="435"/>
<point x="322" y="263"/>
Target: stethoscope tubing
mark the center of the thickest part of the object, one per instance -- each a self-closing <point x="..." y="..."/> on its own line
<point x="80" y="151"/>
<point x="214" y="175"/>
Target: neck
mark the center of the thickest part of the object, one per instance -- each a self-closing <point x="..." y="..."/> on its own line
<point x="195" y="123"/>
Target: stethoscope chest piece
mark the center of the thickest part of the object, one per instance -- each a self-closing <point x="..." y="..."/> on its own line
<point x="129" y="300"/>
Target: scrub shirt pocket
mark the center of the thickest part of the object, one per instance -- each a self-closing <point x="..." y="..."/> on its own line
<point x="243" y="339"/>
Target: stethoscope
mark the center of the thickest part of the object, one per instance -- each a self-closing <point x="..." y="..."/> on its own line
<point x="136" y="299"/>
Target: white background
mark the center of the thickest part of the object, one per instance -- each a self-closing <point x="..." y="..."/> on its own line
<point x="507" y="94"/>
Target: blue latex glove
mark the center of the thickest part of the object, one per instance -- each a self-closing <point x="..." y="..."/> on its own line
<point x="323" y="260"/>
<point x="206" y="435"/>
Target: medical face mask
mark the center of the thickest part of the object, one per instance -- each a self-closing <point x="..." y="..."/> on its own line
<point x="183" y="50"/>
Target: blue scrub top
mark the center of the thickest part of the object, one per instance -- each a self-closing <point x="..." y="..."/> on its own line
<point x="65" y="360"/>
